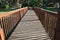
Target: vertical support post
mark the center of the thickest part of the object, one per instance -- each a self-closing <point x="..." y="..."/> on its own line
<point x="2" y="34"/>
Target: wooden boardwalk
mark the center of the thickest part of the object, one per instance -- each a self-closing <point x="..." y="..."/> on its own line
<point x="29" y="28"/>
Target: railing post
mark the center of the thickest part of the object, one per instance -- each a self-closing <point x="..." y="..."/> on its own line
<point x="57" y="30"/>
<point x="2" y="34"/>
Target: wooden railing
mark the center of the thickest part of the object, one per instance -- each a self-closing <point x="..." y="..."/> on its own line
<point x="8" y="20"/>
<point x="48" y="20"/>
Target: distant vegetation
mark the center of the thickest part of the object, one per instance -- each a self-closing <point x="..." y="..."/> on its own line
<point x="6" y="5"/>
<point x="14" y="4"/>
<point x="52" y="5"/>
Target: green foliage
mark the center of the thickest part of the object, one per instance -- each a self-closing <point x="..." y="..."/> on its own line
<point x="6" y="6"/>
<point x="2" y="6"/>
<point x="35" y="3"/>
<point x="52" y="9"/>
<point x="32" y="3"/>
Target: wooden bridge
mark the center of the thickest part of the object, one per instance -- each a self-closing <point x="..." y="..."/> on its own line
<point x="30" y="28"/>
<point x="24" y="24"/>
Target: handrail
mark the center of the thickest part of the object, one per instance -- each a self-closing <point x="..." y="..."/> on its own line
<point x="8" y="20"/>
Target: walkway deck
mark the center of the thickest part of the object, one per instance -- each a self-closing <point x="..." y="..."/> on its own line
<point x="29" y="28"/>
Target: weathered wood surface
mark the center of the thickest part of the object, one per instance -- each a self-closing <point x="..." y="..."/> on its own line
<point x="48" y="19"/>
<point x="30" y="28"/>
